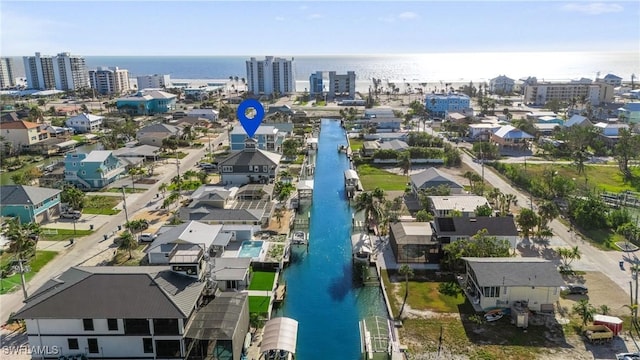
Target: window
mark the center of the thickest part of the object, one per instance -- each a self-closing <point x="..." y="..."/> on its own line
<point x="491" y="291"/>
<point x="167" y="348"/>
<point x="165" y="326"/>
<point x="73" y="344"/>
<point x="256" y="168"/>
<point x="112" y="324"/>
<point x="147" y="345"/>
<point x="265" y="168"/>
<point x="88" y="324"/>
<point x="227" y="168"/>
<point x="136" y="327"/>
<point x="93" y="345"/>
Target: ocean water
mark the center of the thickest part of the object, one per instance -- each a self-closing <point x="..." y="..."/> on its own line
<point x="413" y="68"/>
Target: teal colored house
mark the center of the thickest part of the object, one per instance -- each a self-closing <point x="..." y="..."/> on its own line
<point x="29" y="203"/>
<point x="267" y="138"/>
<point x="92" y="171"/>
<point x="147" y="102"/>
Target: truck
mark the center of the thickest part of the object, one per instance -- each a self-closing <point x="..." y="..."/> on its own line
<point x="597" y="334"/>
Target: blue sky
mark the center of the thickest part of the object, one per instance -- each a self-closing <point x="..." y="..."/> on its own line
<point x="315" y="28"/>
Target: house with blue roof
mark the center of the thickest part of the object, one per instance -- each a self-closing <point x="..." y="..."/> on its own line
<point x="147" y="102"/>
<point x="630" y="112"/>
<point x="29" y="203"/>
<point x="92" y="171"/>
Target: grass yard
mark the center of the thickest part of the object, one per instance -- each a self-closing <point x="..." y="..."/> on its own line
<point x="63" y="234"/>
<point x="373" y="177"/>
<point x="259" y="304"/>
<point x="262" y="280"/>
<point x="356" y="144"/>
<point x="101" y="205"/>
<point x="606" y="178"/>
<point x="127" y="190"/>
<point x="36" y="263"/>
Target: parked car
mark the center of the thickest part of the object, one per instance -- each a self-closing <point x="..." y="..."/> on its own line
<point x="577" y="289"/>
<point x="71" y="214"/>
<point x="147" y="237"/>
<point x="628" y="356"/>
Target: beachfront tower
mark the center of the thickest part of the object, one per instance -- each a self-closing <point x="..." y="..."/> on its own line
<point x="271" y="76"/>
<point x="61" y="72"/>
<point x="107" y="81"/>
<point x="7" y="73"/>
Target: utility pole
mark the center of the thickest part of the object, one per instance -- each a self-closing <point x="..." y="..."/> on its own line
<point x="124" y="205"/>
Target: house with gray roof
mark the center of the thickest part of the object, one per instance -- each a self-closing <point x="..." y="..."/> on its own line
<point x="153" y="134"/>
<point x="396" y="145"/>
<point x="29" y="203"/>
<point x="450" y="229"/>
<point x="92" y="171"/>
<point x="578" y="120"/>
<point x="499" y="282"/>
<point x="231" y="273"/>
<point x="114" y="312"/>
<point x="413" y="242"/>
<point x="433" y="178"/>
<point x="85" y="123"/>
<point x="249" y="166"/>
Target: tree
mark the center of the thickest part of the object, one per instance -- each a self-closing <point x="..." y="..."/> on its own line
<point x="484" y="210"/>
<point x="585" y="310"/>
<point x="290" y="148"/>
<point x="604" y="309"/>
<point x="547" y="212"/>
<point x="423" y="216"/>
<point x="128" y="243"/>
<point x="588" y="212"/>
<point x="367" y="202"/>
<point x="73" y="196"/>
<point x="136" y="226"/>
<point x="480" y="245"/>
<point x="404" y="161"/>
<point x="407" y="272"/>
<point x="625" y="150"/>
<point x="163" y="188"/>
<point x="283" y="190"/>
<point x="568" y="255"/>
<point x="527" y="220"/>
<point x="36" y="114"/>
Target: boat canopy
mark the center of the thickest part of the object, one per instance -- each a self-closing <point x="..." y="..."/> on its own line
<point x="280" y="333"/>
<point x="350" y="174"/>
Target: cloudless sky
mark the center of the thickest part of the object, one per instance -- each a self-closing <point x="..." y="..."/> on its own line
<point x="315" y="27"/>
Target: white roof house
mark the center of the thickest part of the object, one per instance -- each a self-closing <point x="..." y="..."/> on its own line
<point x="443" y="205"/>
<point x="171" y="240"/>
<point x="209" y="114"/>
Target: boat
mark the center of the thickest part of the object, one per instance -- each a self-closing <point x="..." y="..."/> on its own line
<point x="362" y="249"/>
<point x="493" y="315"/>
<point x="299" y="238"/>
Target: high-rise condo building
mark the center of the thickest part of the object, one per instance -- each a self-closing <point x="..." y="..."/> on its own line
<point x="62" y="72"/>
<point x="7" y="76"/>
<point x="154" y="81"/>
<point x="107" y="81"/>
<point x="271" y="76"/>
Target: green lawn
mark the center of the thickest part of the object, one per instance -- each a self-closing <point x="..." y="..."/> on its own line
<point x="373" y="177"/>
<point x="259" y="304"/>
<point x="127" y="190"/>
<point x="262" y="280"/>
<point x="101" y="205"/>
<point x="12" y="282"/>
<point x="607" y="178"/>
<point x="64" y="234"/>
<point x="356" y="144"/>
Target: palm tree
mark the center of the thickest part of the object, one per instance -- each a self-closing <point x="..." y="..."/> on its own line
<point x="36" y="114"/>
<point x="128" y="243"/>
<point x="406" y="271"/>
<point x="567" y="255"/>
<point x="585" y="310"/>
<point x="372" y="209"/>
<point x="547" y="211"/>
<point x="604" y="309"/>
<point x="404" y="161"/>
<point x="163" y="188"/>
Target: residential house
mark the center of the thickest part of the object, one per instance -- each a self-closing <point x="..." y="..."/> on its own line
<point x="546" y="129"/>
<point x="433" y="178"/>
<point x="577" y="120"/>
<point x="508" y="135"/>
<point x="387" y="136"/>
<point x="231" y="273"/>
<point x="142" y="152"/>
<point x="192" y="121"/>
<point x="450" y="229"/>
<point x="209" y="114"/>
<point x="412" y="242"/>
<point x="534" y="116"/>
<point x="155" y="133"/>
<point x="483" y="131"/>
<point x="92" y="171"/>
<point x="438" y="105"/>
<point x="396" y="145"/>
<point x="85" y="123"/>
<point x="501" y="85"/>
<point x="465" y="205"/>
<point x="249" y="165"/>
<point x="9" y="116"/>
<point x="59" y="132"/>
<point x="630" y="112"/>
<point x="610" y="131"/>
<point x="611" y="79"/>
<point x="382" y="118"/>
<point x="267" y="137"/>
<point x="105" y="312"/>
<point x="369" y="148"/>
<point x="29" y="203"/>
<point x="147" y="102"/>
<point x="500" y="282"/>
<point x="22" y="135"/>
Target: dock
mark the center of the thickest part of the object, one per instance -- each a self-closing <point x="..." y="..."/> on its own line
<point x="280" y="293"/>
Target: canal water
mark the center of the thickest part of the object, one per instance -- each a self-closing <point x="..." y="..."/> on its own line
<point x="321" y="293"/>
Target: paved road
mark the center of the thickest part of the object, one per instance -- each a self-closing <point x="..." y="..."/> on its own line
<point x="94" y="244"/>
<point x="593" y="259"/>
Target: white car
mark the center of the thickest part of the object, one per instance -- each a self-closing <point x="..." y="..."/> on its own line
<point x="147" y="237"/>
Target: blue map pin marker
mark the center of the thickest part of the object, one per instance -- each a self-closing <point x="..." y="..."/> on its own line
<point x="250" y="125"/>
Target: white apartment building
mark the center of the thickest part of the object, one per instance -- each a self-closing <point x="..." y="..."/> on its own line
<point x="61" y="72"/>
<point x="270" y="76"/>
<point x="154" y="81"/>
<point x="542" y="92"/>
<point x="342" y="85"/>
<point x="112" y="80"/>
<point x="7" y="76"/>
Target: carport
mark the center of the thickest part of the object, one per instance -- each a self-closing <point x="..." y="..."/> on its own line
<point x="280" y="334"/>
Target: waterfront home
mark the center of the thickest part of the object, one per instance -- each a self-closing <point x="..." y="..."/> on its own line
<point x="59" y="132"/>
<point x="387" y="136"/>
<point x="396" y="145"/>
<point x="501" y="85"/>
<point x="413" y="242"/>
<point x="630" y="112"/>
<point x="433" y="178"/>
<point x="106" y="312"/>
<point x="483" y="131"/>
<point x="231" y="273"/>
<point x="209" y="114"/>
<point x="254" y="218"/>
<point x="85" y="123"/>
<point x="21" y="135"/>
<point x="155" y="133"/>
<point x="267" y="137"/>
<point x="510" y="136"/>
<point x="439" y="105"/>
<point x="465" y="205"/>
<point x="578" y="120"/>
<point x="147" y="102"/>
<point x="450" y="229"/>
<point x="142" y="152"/>
<point x="92" y="171"/>
<point x="249" y="165"/>
<point x="499" y="282"/>
<point x="29" y="203"/>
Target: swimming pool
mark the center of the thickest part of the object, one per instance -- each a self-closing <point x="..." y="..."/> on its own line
<point x="251" y="249"/>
